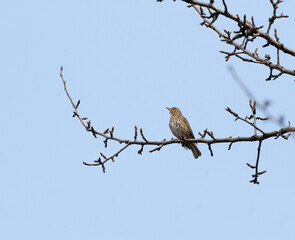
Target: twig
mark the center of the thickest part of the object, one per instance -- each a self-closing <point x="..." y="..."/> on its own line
<point x="257" y="174"/>
<point x="253" y="108"/>
<point x="135" y="135"/>
<point x="143" y="137"/>
<point x="245" y="120"/>
<point x="274" y="16"/>
<point x="210" y="149"/>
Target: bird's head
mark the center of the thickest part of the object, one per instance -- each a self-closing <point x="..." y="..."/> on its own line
<point x="174" y="111"/>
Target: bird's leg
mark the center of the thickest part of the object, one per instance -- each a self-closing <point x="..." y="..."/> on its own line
<point x="184" y="144"/>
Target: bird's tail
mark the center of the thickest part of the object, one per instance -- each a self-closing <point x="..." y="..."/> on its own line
<point x="196" y="152"/>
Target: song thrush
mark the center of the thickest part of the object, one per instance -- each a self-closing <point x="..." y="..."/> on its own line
<point x="181" y="129"/>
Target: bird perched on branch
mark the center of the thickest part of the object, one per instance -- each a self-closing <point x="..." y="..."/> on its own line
<point x="181" y="129"/>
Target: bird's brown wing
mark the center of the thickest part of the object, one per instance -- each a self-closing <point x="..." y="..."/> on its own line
<point x="190" y="133"/>
<point x="192" y="146"/>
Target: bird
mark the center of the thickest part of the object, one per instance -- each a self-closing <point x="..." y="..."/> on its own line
<point x="181" y="129"/>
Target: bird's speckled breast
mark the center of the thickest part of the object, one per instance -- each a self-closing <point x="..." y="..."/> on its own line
<point x="175" y="127"/>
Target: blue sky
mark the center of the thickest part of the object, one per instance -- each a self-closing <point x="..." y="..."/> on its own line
<point x="127" y="61"/>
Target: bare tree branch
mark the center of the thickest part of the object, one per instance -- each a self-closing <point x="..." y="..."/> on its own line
<point x="247" y="25"/>
<point x="248" y="31"/>
<point x="109" y="135"/>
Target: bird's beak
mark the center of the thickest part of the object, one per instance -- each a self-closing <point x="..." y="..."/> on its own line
<point x="168" y="108"/>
